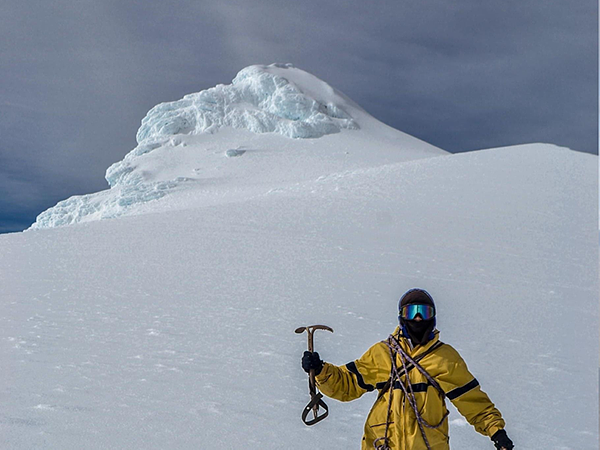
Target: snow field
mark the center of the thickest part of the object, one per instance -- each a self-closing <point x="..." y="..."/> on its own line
<point x="176" y="329"/>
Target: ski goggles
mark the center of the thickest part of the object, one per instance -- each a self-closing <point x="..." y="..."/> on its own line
<point x="409" y="312"/>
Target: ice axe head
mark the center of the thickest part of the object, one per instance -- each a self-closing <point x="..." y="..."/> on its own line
<point x="311" y="330"/>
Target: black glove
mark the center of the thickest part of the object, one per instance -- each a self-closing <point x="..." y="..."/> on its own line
<point x="501" y="440"/>
<point x="312" y="361"/>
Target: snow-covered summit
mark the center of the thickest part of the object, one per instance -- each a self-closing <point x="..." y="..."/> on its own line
<point x="272" y="115"/>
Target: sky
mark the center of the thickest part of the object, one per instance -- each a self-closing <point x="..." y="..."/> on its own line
<point x="78" y="76"/>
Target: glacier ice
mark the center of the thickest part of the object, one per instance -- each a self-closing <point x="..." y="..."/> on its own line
<point x="102" y="205"/>
<point x="257" y="100"/>
<point x="261" y="99"/>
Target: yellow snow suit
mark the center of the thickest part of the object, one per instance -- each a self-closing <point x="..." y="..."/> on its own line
<point x="444" y="364"/>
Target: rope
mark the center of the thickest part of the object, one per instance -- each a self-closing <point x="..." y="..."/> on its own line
<point x="385" y="444"/>
<point x="409" y="394"/>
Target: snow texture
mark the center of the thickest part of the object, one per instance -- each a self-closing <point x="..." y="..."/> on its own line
<point x="175" y="328"/>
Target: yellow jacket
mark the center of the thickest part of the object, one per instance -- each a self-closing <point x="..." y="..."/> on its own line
<point x="444" y="364"/>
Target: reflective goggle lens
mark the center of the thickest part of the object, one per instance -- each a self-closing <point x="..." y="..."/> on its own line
<point x="409" y="312"/>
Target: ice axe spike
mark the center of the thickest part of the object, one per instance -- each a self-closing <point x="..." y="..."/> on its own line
<point x="316" y="398"/>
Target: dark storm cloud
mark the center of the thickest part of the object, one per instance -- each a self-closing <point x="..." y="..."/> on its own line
<point x="78" y="76"/>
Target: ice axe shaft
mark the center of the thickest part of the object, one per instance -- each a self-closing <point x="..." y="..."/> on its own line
<point x="316" y="398"/>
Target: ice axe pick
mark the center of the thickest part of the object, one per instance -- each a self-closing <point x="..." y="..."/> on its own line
<point x="316" y="398"/>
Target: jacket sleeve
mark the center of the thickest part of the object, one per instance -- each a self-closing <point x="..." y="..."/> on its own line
<point x="349" y="382"/>
<point x="463" y="390"/>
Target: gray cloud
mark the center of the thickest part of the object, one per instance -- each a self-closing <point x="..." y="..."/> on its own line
<point x="78" y="76"/>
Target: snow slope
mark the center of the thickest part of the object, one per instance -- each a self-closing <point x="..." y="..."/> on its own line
<point x="285" y="124"/>
<point x="174" y="327"/>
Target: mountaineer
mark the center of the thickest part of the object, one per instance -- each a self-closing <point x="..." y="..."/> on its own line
<point x="410" y="411"/>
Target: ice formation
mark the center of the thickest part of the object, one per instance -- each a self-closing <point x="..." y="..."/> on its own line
<point x="257" y="100"/>
<point x="102" y="205"/>
<point x="276" y="106"/>
<point x="261" y="99"/>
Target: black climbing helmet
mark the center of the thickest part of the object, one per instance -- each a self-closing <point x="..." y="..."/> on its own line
<point x="415" y="296"/>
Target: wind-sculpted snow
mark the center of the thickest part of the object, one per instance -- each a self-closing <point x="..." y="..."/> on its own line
<point x="257" y="100"/>
<point x="102" y="205"/>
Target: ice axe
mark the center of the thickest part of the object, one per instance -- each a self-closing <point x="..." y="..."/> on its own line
<point x="316" y="398"/>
